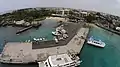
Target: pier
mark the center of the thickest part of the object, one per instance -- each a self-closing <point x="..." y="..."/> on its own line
<point x="27" y="28"/>
<point x="71" y="29"/>
<point x="113" y="31"/>
<point x="24" y="29"/>
<point x="23" y="53"/>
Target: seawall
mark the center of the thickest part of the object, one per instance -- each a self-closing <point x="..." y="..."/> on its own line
<point x="116" y="32"/>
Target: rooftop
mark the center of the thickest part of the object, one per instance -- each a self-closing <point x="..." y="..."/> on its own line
<point x="62" y="59"/>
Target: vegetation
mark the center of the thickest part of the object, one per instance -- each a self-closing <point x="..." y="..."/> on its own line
<point x="26" y="14"/>
<point x="90" y="18"/>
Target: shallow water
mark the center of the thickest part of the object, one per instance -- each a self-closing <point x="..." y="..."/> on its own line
<point x="9" y="33"/>
<point x="90" y="55"/>
<point x="102" y="57"/>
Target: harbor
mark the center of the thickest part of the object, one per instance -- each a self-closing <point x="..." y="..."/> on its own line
<point x="101" y="57"/>
<point x="24" y="29"/>
<point x="35" y="53"/>
<point x="64" y="43"/>
<point x="43" y="31"/>
<point x="27" y="28"/>
<point x="24" y="53"/>
<point x="92" y="56"/>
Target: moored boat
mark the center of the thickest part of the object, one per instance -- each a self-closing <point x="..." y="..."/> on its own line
<point x="40" y="39"/>
<point x="95" y="42"/>
<point x="61" y="60"/>
<point x="55" y="33"/>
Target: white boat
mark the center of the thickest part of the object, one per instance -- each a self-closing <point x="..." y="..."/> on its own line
<point x="35" y="39"/>
<point x="62" y="60"/>
<point x="94" y="42"/>
<point x="55" y="33"/>
<point x="39" y="39"/>
<point x="56" y="40"/>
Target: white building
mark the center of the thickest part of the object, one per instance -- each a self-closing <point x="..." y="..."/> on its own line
<point x="20" y="22"/>
<point x="62" y="12"/>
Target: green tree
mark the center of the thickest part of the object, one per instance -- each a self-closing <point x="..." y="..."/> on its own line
<point x="90" y="18"/>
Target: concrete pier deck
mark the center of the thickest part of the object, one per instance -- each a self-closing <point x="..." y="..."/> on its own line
<point x="17" y="53"/>
<point x="23" y="53"/>
<point x="78" y="40"/>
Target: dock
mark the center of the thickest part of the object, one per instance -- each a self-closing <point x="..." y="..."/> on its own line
<point x="17" y="53"/>
<point x="23" y="53"/>
<point x="27" y="28"/>
<point x="24" y="29"/>
<point x="71" y="29"/>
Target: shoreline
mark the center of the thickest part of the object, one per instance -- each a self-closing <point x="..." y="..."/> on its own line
<point x="41" y="53"/>
<point x="58" y="19"/>
<point x="118" y="33"/>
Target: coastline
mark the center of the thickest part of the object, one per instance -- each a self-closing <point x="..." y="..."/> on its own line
<point x="109" y="53"/>
<point x="58" y="19"/>
<point x="108" y="29"/>
<point x="14" y="48"/>
<point x="99" y="26"/>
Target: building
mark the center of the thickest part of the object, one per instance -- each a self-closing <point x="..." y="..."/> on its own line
<point x="61" y="12"/>
<point x="20" y="22"/>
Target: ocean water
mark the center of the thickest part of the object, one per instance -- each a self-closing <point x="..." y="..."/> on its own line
<point x="109" y="56"/>
<point x="90" y="55"/>
<point x="9" y="33"/>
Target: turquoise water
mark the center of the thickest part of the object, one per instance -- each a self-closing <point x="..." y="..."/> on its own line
<point x="102" y="57"/>
<point x="90" y="55"/>
<point x="9" y="33"/>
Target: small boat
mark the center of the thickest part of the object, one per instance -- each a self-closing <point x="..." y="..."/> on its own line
<point x="55" y="33"/>
<point x="34" y="39"/>
<point x="39" y="39"/>
<point x="95" y="42"/>
<point x="28" y="41"/>
<point x="44" y="39"/>
<point x="61" y="60"/>
<point x="56" y="40"/>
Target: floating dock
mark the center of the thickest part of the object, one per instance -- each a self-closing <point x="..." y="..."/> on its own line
<point x="23" y="53"/>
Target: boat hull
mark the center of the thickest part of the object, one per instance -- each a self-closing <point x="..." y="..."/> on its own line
<point x="95" y="45"/>
<point x="94" y="42"/>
